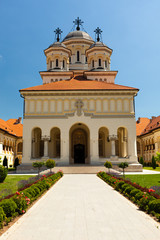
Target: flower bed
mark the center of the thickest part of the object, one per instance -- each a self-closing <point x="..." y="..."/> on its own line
<point x="146" y="199"/>
<point x="17" y="204"/>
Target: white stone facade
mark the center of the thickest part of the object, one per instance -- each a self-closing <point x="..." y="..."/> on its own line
<point x="91" y="118"/>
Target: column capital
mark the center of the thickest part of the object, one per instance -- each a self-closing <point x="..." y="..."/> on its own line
<point x="45" y="138"/>
<point x="113" y="137"/>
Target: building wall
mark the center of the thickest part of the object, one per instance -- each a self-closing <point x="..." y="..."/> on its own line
<point x="93" y="125"/>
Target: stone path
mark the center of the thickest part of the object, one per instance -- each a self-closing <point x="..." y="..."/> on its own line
<point x="83" y="207"/>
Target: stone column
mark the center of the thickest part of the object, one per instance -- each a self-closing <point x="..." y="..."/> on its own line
<point x="94" y="146"/>
<point x="113" y="139"/>
<point x="45" y="139"/>
<point x="64" y="146"/>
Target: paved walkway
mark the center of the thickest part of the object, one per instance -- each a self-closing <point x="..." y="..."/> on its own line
<point x="83" y="207"/>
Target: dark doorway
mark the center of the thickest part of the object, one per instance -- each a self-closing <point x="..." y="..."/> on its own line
<point x="79" y="153"/>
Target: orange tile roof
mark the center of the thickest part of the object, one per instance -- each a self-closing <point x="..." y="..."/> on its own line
<point x="78" y="83"/>
<point x="12" y="127"/>
<point x="153" y="124"/>
<point x="141" y="123"/>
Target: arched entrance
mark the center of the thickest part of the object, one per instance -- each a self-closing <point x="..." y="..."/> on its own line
<point x="79" y="144"/>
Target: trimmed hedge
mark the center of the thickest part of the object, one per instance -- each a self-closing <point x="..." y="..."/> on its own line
<point x="145" y="198"/>
<point x="18" y="204"/>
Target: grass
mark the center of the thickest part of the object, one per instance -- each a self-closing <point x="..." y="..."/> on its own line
<point x="150" y="168"/>
<point x="145" y="180"/>
<point x="10" y="186"/>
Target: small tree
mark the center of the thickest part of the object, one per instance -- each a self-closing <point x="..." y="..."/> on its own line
<point x="50" y="164"/>
<point x="141" y="161"/>
<point x="38" y="165"/>
<point x="16" y="162"/>
<point x="153" y="162"/>
<point x="5" y="162"/>
<point x="123" y="165"/>
<point x="108" y="165"/>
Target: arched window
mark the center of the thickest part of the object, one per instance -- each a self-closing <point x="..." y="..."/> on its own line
<point x="92" y="63"/>
<point x="100" y="62"/>
<point x="50" y="64"/>
<point x="63" y="64"/>
<point x="55" y="143"/>
<point x="56" y="62"/>
<point x="103" y="142"/>
<point x="78" y="56"/>
<point x="86" y="59"/>
<point x="122" y="142"/>
<point x="106" y="63"/>
<point x="37" y="143"/>
<point x="70" y="59"/>
<point x="19" y="148"/>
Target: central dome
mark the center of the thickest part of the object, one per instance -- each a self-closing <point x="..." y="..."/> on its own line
<point x="77" y="34"/>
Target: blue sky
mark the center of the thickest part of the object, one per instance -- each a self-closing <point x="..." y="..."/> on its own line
<point x="130" y="28"/>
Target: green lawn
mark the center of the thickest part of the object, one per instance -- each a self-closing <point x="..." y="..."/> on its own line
<point x="150" y="168"/>
<point x="9" y="186"/>
<point x="145" y="180"/>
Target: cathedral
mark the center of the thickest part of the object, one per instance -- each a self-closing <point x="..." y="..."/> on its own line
<point x="78" y="115"/>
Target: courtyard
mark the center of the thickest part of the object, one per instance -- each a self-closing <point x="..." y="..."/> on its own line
<point x="82" y="206"/>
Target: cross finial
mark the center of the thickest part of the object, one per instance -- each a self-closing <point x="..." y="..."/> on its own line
<point x="58" y="33"/>
<point x="98" y="32"/>
<point x="78" y="22"/>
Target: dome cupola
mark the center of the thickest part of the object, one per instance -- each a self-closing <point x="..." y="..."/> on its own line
<point x="98" y="54"/>
<point x="57" y="55"/>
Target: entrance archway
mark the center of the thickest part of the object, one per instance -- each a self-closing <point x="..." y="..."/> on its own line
<point x="79" y="144"/>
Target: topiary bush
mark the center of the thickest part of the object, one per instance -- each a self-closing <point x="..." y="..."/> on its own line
<point x="141" y="161"/>
<point x="123" y="165"/>
<point x="108" y="165"/>
<point x="9" y="207"/>
<point x="50" y="164"/>
<point x="38" y="165"/>
<point x="3" y="173"/>
<point x="16" y="163"/>
<point x="154" y="165"/>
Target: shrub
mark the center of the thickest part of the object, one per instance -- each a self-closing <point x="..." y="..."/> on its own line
<point x="155" y="205"/>
<point x="153" y="162"/>
<point x="128" y="190"/>
<point x="123" y="165"/>
<point x="139" y="195"/>
<point x="38" y="165"/>
<point x="134" y="192"/>
<point x="5" y="162"/>
<point x="50" y="164"/>
<point x="9" y="207"/>
<point x="3" y="173"/>
<point x="2" y="217"/>
<point x="108" y="165"/>
<point x="21" y="201"/>
<point x="141" y="161"/>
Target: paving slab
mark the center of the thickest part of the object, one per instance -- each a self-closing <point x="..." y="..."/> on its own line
<point x="83" y="207"/>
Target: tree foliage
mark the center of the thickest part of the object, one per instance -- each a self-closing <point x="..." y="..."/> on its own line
<point x="123" y="165"/>
<point x="50" y="164"/>
<point x="38" y="165"/>
<point x="108" y="165"/>
<point x="153" y="162"/>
